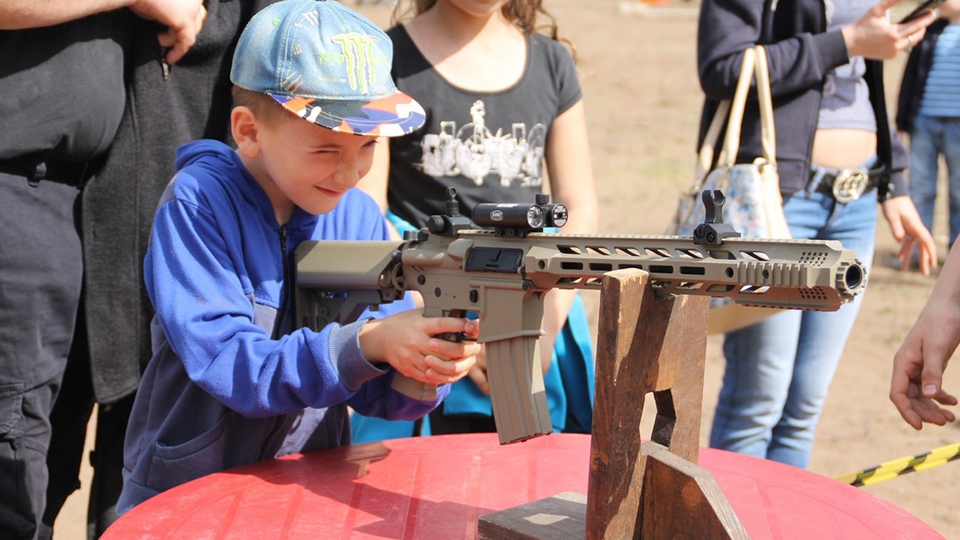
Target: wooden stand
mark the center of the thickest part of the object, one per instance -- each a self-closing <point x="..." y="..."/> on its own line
<point x="646" y="344"/>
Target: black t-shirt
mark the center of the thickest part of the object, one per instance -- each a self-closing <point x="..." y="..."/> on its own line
<point x="61" y="89"/>
<point x="488" y="145"/>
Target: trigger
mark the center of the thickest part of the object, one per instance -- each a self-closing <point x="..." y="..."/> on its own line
<point x="454" y="336"/>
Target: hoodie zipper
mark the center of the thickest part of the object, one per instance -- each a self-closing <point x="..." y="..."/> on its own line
<point x="285" y="288"/>
<point x="274" y="437"/>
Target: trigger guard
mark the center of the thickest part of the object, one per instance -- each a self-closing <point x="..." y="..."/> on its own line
<point x="456" y="337"/>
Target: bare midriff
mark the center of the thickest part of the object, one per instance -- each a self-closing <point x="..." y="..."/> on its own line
<point x="843" y="148"/>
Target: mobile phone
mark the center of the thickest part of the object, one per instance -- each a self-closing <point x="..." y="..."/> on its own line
<point x="921" y="9"/>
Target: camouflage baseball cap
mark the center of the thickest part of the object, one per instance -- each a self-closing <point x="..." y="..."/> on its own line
<point x="327" y="64"/>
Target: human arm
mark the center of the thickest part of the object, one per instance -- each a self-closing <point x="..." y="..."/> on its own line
<point x="219" y="321"/>
<point x="908" y="229"/>
<point x="797" y="62"/>
<point x="379" y="397"/>
<point x="874" y="36"/>
<point x="408" y="342"/>
<point x="183" y="19"/>
<point x="20" y="14"/>
<point x="918" y="366"/>
<point x="570" y="169"/>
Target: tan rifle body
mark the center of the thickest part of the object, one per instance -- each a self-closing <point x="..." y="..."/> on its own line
<point x="503" y="279"/>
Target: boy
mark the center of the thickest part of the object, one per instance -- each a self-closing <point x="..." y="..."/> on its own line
<point x="232" y="381"/>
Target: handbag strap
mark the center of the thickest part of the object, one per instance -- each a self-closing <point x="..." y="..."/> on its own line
<point x="768" y="132"/>
<point x="731" y="142"/>
<point x="708" y="147"/>
<point x="754" y="65"/>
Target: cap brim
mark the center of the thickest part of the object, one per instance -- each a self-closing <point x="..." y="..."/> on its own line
<point x="392" y="116"/>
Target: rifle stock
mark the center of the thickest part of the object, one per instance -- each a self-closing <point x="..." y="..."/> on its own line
<point x="502" y="275"/>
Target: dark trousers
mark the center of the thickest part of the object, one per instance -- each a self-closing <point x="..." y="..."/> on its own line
<point x="41" y="270"/>
<point x="69" y="419"/>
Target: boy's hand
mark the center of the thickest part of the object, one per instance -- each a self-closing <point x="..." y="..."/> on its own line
<point x="407" y="341"/>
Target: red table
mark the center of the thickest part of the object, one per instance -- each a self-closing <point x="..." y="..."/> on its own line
<point x="437" y="488"/>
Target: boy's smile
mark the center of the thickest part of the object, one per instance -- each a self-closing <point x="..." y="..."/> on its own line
<point x="301" y="164"/>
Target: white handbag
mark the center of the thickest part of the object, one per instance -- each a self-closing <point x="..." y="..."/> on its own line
<point x="753" y="205"/>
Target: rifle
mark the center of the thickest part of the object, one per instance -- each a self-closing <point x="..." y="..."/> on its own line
<point x="501" y="263"/>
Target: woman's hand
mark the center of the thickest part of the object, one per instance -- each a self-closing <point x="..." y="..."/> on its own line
<point x="908" y="229"/>
<point x="873" y="36"/>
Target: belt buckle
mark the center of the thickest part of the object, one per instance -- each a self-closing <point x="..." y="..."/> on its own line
<point x="849" y="185"/>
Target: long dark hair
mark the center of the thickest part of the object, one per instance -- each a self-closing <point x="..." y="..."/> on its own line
<point x="523" y="13"/>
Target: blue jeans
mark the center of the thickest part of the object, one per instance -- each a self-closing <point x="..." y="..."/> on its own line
<point x="932" y="137"/>
<point x="778" y="370"/>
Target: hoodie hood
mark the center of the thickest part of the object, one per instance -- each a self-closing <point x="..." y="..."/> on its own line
<point x="214" y="156"/>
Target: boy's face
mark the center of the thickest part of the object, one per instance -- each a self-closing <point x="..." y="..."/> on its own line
<point x="299" y="163"/>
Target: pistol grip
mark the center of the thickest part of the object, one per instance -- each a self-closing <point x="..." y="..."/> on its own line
<point x="418" y="390"/>
<point x="516" y="388"/>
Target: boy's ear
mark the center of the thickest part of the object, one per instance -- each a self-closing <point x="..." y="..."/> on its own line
<point x="245" y="127"/>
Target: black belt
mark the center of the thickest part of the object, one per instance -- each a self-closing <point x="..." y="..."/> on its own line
<point x="844" y="185"/>
<point x="35" y="169"/>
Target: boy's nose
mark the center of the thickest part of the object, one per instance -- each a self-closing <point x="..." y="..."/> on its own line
<point x="349" y="174"/>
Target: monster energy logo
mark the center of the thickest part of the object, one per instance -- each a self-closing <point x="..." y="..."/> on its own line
<point x="356" y="55"/>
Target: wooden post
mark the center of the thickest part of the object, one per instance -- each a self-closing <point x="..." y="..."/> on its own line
<point x="646" y="344"/>
<point x="682" y="500"/>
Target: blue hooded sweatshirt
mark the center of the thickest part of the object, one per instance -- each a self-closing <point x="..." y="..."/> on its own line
<point x="231" y="381"/>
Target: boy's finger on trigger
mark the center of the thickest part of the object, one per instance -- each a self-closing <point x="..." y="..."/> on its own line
<point x="447" y="324"/>
<point x="455" y="337"/>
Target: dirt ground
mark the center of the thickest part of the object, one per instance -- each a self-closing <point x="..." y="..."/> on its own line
<point x="637" y="66"/>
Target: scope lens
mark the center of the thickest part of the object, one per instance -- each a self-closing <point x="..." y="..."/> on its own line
<point x="536" y="217"/>
<point x="559" y="215"/>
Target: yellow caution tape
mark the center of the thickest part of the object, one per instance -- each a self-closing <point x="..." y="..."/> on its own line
<point x="904" y="465"/>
